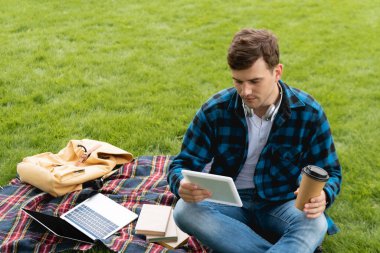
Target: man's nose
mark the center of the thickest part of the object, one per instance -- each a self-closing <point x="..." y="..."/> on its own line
<point x="245" y="89"/>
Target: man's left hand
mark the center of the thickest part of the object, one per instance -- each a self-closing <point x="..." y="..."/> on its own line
<point x="316" y="206"/>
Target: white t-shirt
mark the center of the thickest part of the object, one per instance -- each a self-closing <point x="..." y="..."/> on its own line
<point x="258" y="133"/>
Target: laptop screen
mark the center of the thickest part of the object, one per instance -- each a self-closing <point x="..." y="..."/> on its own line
<point x="59" y="226"/>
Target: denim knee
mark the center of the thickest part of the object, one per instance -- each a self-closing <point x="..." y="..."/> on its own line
<point x="321" y="227"/>
<point x="182" y="215"/>
<point x="192" y="217"/>
<point x="178" y="211"/>
<point x="316" y="226"/>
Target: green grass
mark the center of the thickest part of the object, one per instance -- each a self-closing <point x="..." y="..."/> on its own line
<point x="133" y="73"/>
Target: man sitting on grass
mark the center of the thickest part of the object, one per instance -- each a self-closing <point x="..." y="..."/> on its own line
<point x="261" y="133"/>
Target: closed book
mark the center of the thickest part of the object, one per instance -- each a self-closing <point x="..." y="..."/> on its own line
<point x="153" y="220"/>
<point x="182" y="239"/>
<point x="170" y="233"/>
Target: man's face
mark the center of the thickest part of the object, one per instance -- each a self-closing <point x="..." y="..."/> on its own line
<point x="257" y="84"/>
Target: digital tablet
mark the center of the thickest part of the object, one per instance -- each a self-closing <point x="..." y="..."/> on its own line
<point x="223" y="188"/>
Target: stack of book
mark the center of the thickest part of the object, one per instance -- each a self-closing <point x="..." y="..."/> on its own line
<point x="156" y="222"/>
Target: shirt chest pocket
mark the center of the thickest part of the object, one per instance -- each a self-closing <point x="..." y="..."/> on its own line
<point x="285" y="162"/>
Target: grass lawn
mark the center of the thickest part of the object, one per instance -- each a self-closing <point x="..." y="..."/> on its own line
<point x="133" y="73"/>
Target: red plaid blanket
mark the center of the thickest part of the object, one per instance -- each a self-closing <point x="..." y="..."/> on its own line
<point x="141" y="182"/>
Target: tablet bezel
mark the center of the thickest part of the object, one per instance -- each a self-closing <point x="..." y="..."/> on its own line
<point x="228" y="182"/>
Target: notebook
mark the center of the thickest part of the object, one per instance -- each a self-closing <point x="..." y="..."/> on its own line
<point x="170" y="233"/>
<point x="153" y="220"/>
<point x="94" y="219"/>
<point x="181" y="240"/>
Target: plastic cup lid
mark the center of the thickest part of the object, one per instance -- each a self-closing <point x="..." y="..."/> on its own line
<point x="316" y="173"/>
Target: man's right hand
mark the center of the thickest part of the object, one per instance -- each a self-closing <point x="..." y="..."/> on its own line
<point x="192" y="193"/>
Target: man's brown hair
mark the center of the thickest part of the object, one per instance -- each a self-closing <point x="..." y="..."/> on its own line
<point x="248" y="45"/>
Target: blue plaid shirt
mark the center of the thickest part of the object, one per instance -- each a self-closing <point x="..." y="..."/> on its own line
<point x="300" y="136"/>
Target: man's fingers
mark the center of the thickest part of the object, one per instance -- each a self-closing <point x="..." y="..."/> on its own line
<point x="314" y="210"/>
<point x="191" y="195"/>
<point x="196" y="192"/>
<point x="184" y="191"/>
<point x="320" y="198"/>
<point x="190" y="192"/>
<point x="193" y="198"/>
<point x="315" y="205"/>
<point x="317" y="199"/>
<point x="313" y="216"/>
<point x="317" y="209"/>
<point x="188" y="186"/>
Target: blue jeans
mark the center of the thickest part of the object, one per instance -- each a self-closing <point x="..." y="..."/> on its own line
<point x="258" y="226"/>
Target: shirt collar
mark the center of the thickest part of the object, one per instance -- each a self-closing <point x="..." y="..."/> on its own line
<point x="277" y="104"/>
<point x="288" y="99"/>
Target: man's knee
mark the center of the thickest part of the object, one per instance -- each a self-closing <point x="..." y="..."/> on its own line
<point x="321" y="226"/>
<point x="315" y="227"/>
<point x="183" y="214"/>
<point x="179" y="213"/>
<point x="320" y="230"/>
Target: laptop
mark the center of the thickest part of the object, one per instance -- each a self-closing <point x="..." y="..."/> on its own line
<point x="94" y="219"/>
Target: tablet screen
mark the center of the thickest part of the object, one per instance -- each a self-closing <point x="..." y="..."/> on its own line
<point x="223" y="188"/>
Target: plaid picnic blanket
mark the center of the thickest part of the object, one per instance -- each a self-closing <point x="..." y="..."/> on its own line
<point x="142" y="181"/>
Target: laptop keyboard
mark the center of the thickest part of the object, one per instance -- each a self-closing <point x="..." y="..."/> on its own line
<point x="91" y="221"/>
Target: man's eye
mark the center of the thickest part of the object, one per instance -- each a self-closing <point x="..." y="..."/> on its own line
<point x="253" y="82"/>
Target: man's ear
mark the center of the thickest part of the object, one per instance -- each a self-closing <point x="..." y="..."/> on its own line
<point x="278" y="71"/>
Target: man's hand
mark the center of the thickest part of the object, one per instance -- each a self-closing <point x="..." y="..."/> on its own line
<point x="316" y="206"/>
<point x="192" y="193"/>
